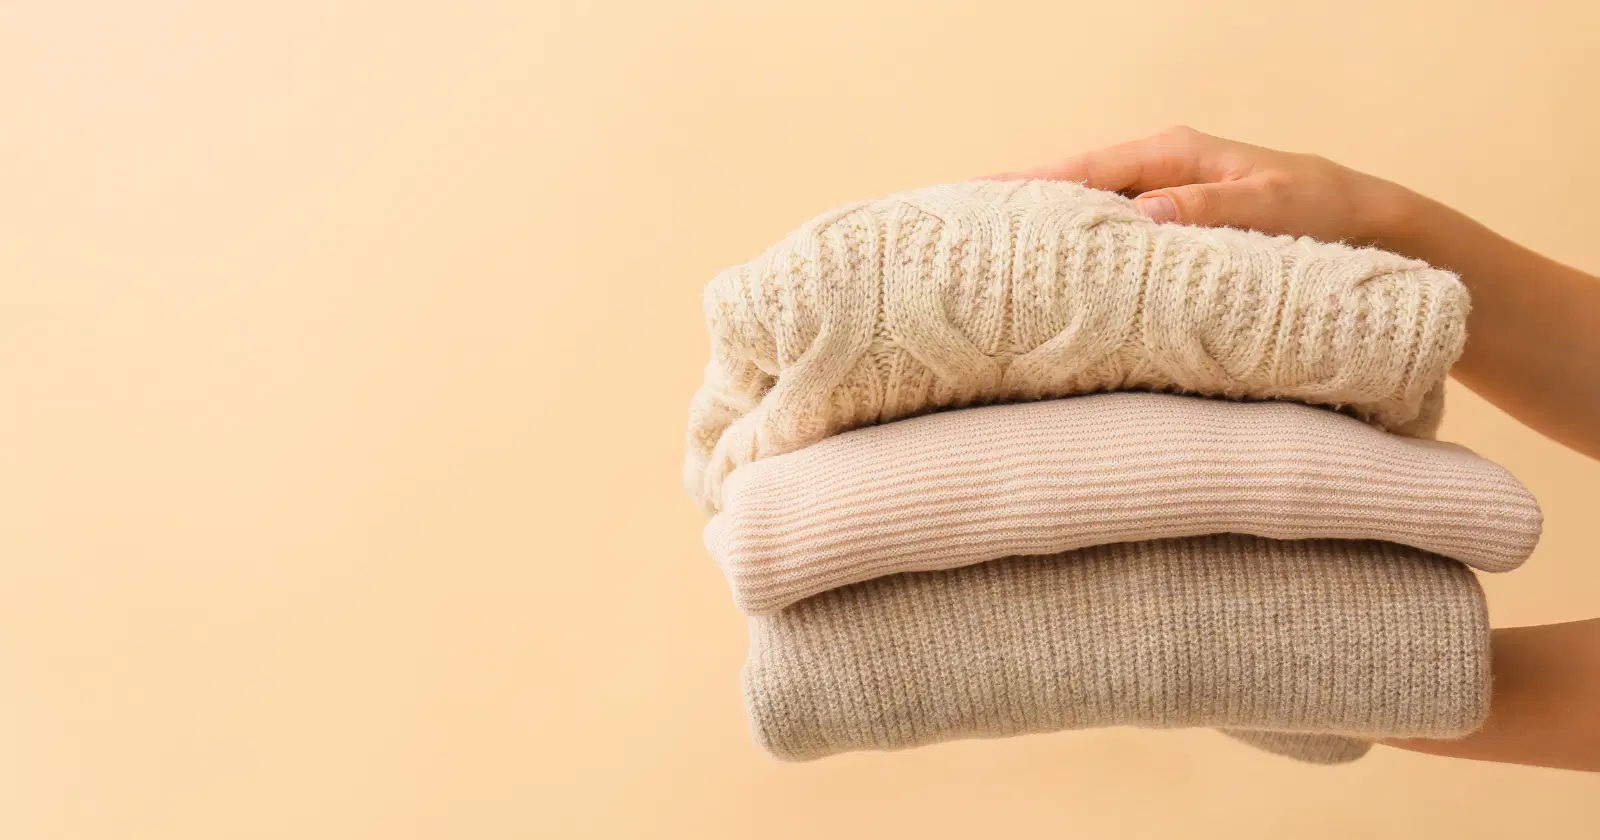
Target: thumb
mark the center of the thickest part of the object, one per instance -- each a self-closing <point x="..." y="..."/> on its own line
<point x="1229" y="204"/>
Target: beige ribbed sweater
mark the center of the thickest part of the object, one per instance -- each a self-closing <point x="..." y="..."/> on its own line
<point x="1004" y="292"/>
<point x="962" y="487"/>
<point x="1362" y="639"/>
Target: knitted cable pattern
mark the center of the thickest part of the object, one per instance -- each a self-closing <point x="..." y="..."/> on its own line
<point x="982" y="292"/>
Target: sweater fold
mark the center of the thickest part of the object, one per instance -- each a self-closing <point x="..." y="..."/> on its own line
<point x="1336" y="639"/>
<point x="962" y="487"/>
<point x="983" y="292"/>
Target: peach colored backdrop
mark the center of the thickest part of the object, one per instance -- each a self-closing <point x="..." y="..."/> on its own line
<point x="344" y="356"/>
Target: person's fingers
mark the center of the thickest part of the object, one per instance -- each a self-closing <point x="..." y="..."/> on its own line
<point x="1113" y="168"/>
<point x="1057" y="171"/>
<point x="1175" y="157"/>
<point x="1230" y="203"/>
<point x="1172" y="158"/>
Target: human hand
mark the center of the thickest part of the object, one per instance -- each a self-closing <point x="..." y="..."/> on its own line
<point x="1532" y="327"/>
<point x="1546" y="705"/>
<point x="1182" y="175"/>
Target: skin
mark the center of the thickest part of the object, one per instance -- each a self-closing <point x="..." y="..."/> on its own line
<point x="1546" y="705"/>
<point x="1533" y="349"/>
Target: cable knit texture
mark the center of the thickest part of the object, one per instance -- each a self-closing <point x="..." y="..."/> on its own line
<point x="1359" y="639"/>
<point x="1004" y="292"/>
<point x="962" y="487"/>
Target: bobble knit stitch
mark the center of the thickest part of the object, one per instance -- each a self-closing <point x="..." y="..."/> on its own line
<point x="1003" y="292"/>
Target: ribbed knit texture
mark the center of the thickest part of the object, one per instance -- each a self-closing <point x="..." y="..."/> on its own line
<point x="1005" y="292"/>
<point x="962" y="487"/>
<point x="1361" y="639"/>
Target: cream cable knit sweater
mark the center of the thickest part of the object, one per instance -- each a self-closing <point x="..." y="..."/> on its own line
<point x="961" y="487"/>
<point x="1360" y="639"/>
<point x="1003" y="292"/>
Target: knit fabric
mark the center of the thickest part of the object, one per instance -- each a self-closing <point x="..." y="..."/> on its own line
<point x="1302" y="746"/>
<point x="1005" y="292"/>
<point x="1358" y="639"/>
<point x="962" y="487"/>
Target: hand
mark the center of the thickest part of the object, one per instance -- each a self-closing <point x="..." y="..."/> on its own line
<point x="1182" y="175"/>
<point x="1532" y="338"/>
<point x="1530" y="352"/>
<point x="1546" y="705"/>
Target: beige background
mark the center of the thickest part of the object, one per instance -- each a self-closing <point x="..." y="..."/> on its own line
<point x="345" y="351"/>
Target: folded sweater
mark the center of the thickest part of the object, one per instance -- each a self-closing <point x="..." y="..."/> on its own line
<point x="962" y="487"/>
<point x="1332" y="638"/>
<point x="1003" y="292"/>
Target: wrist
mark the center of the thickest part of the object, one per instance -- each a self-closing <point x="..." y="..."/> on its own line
<point x="1390" y="216"/>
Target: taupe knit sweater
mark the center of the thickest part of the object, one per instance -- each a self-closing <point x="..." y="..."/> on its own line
<point x="1333" y="638"/>
<point x="961" y="487"/>
<point x="1003" y="292"/>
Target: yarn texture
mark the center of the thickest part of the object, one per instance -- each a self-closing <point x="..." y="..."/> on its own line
<point x="961" y="487"/>
<point x="1321" y="637"/>
<point x="1301" y="746"/>
<point x="983" y="292"/>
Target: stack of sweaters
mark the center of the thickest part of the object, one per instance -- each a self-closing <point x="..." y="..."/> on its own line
<point x="988" y="459"/>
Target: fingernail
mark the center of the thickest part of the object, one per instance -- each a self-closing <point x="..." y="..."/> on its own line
<point x="1158" y="208"/>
